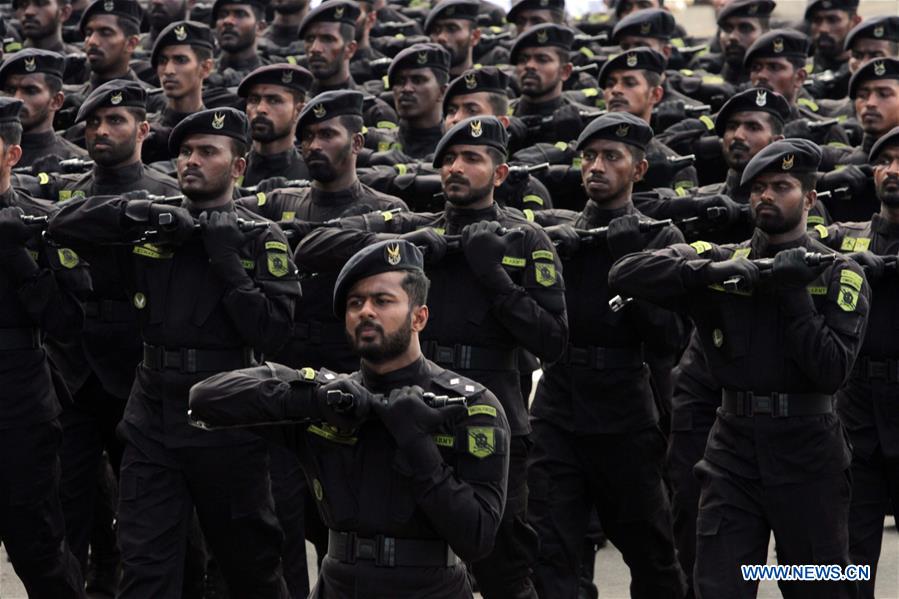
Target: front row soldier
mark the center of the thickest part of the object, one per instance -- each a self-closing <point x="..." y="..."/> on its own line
<point x="207" y="300"/>
<point x="780" y="347"/>
<point x="501" y="291"/>
<point x="597" y="442"/>
<point x="42" y="288"/>
<point x="867" y="403"/>
<point x="406" y="489"/>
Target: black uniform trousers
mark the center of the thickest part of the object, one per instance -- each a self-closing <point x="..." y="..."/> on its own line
<point x="289" y="490"/>
<point x="620" y="476"/>
<point x="875" y="485"/>
<point x="504" y="574"/>
<point x="31" y="522"/>
<point x="810" y="521"/>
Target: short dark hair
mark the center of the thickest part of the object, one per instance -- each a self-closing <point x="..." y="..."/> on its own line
<point x="636" y="153"/>
<point x="352" y="123"/>
<point x="653" y="79"/>
<point x="11" y="133"/>
<point x="347" y="32"/>
<point x="563" y="54"/>
<point x="497" y="157"/>
<point x="416" y="286"/>
<point x="441" y="76"/>
<point x="798" y="63"/>
<point x="53" y="83"/>
<point x="807" y="181"/>
<point x="128" y="26"/>
<point x="139" y="114"/>
<point x="499" y="103"/>
<point x="777" y="125"/>
<point x="201" y="52"/>
<point x="238" y="148"/>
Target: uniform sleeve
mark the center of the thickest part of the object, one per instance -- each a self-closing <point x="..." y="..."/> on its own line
<point x="825" y="343"/>
<point x="464" y="503"/>
<point x="94" y="221"/>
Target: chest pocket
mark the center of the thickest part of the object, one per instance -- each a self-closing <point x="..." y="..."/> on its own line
<point x="152" y="269"/>
<point x="330" y="455"/>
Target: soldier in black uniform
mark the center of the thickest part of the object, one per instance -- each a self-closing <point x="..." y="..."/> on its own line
<point x="502" y="292"/>
<point x="41" y="24"/>
<point x="407" y="489"/>
<point x="875" y="37"/>
<point x="632" y="82"/>
<point x="43" y="284"/>
<point x="777" y="457"/>
<point x="115" y="124"/>
<point x="35" y="77"/>
<point x="866" y="404"/>
<point x="284" y="28"/>
<point x="237" y="25"/>
<point x="595" y="405"/>
<point x="874" y="89"/>
<point x="525" y="14"/>
<point x="182" y="59"/>
<point x="329" y="36"/>
<point x="829" y="23"/>
<point x="542" y="65"/>
<point x="453" y="25"/>
<point x="740" y="23"/>
<point x="275" y="95"/>
<point x="207" y="301"/>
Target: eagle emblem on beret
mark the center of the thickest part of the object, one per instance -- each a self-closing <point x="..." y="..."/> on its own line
<point x="422" y="57"/>
<point x="338" y="12"/>
<point x="218" y="120"/>
<point x="880" y="68"/>
<point x="631" y="59"/>
<point x="471" y="80"/>
<point x="30" y="65"/>
<point x="181" y="33"/>
<point x="542" y="37"/>
<point x="476" y="128"/>
<point x="319" y="111"/>
<point x="109" y="5"/>
<point x="645" y="28"/>
<point x="826" y="4"/>
<point x="622" y="130"/>
<point x="286" y="76"/>
<point x="392" y="252"/>
<point x="761" y="97"/>
<point x="878" y="31"/>
<point x="753" y="9"/>
<point x="788" y="161"/>
<point x="778" y="45"/>
<point x="544" y="3"/>
<point x="116" y="99"/>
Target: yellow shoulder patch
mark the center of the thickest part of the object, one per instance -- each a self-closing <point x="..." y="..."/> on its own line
<point x="850" y="285"/>
<point x="481" y="441"/>
<point x="545" y="273"/>
<point x="701" y="246"/>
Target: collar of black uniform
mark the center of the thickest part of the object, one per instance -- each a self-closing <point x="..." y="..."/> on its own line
<point x="118" y="93"/>
<point x="881" y="225"/>
<point x="458" y="218"/>
<point x="876" y="28"/>
<point x="597" y="216"/>
<point x="547" y="107"/>
<point x="336" y="198"/>
<point x="128" y="174"/>
<point x="475" y="131"/>
<point x="125" y="9"/>
<point x="8" y="198"/>
<point x="170" y="118"/>
<point x="452" y="9"/>
<point x="763" y="248"/>
<point x="651" y="22"/>
<point x="333" y="11"/>
<point x="182" y="33"/>
<point x="416" y="373"/>
<point x="642" y="59"/>
<point x="37" y="140"/>
<point x="197" y="210"/>
<point x="229" y="61"/>
<point x="793" y="156"/>
<point x="317" y="88"/>
<point x="419" y="56"/>
<point x="746" y="8"/>
<point x="876" y="68"/>
<point x="32" y="60"/>
<point x="815" y="5"/>
<point x="411" y="135"/>
<point x="890" y="138"/>
<point x="545" y="34"/>
<point x="269" y="162"/>
<point x="472" y="81"/>
<point x="780" y="43"/>
<point x="755" y="99"/>
<point x="617" y="126"/>
<point x="96" y="81"/>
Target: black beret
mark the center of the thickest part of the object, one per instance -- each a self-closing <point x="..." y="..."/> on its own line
<point x="32" y="60"/>
<point x="335" y="11"/>
<point x="746" y="8"/>
<point x="890" y="138"/>
<point x="327" y="105"/>
<point x="284" y="74"/>
<point x="875" y="28"/>
<point x="545" y="34"/>
<point x="182" y="33"/>
<point x="420" y="56"/>
<point x="225" y="121"/>
<point x="381" y="257"/>
<point x="651" y="22"/>
<point x="473" y="131"/>
<point x="779" y="43"/>
<point x="794" y="156"/>
<point x="557" y="6"/>
<point x="126" y="9"/>
<point x="113" y="94"/>
<point x="617" y="126"/>
<point x="218" y="4"/>
<point x="814" y="5"/>
<point x="644" y="59"/>
<point x="453" y="9"/>
<point x="877" y="68"/>
<point x="9" y="109"/>
<point x="754" y="99"/>
<point x="472" y="81"/>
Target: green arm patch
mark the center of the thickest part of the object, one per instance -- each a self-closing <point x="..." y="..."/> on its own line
<point x="481" y="441"/>
<point x="543" y="254"/>
<point x="529" y="214"/>
<point x="278" y="265"/>
<point x="67" y="257"/>
<point x="332" y="434"/>
<point x="513" y="261"/>
<point x="444" y="440"/>
<point x="386" y="125"/>
<point x="261" y="198"/>
<point x="741" y="253"/>
<point x="476" y="410"/>
<point x="850" y="285"/>
<point x="708" y="122"/>
<point x="851" y="279"/>
<point x="701" y="246"/>
<point x="815" y="220"/>
<point x="247" y="264"/>
<point x="545" y="273"/>
<point x="276" y="245"/>
<point x="533" y="199"/>
<point x="822" y="231"/>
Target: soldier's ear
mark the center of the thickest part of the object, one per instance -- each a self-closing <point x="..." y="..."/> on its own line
<point x="206" y="67"/>
<point x="799" y="76"/>
<point x="640" y="170"/>
<point x="350" y="49"/>
<point x="657" y="93"/>
<point x="65" y="11"/>
<point x="238" y="167"/>
<point x="811" y="196"/>
<point x="143" y="130"/>
<point x="358" y="142"/>
<point x="475" y="36"/>
<point x="500" y="174"/>
<point x="420" y="316"/>
<point x="57" y="101"/>
<point x="565" y="71"/>
<point x="13" y="154"/>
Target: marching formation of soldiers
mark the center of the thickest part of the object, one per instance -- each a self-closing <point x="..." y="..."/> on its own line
<point x="273" y="273"/>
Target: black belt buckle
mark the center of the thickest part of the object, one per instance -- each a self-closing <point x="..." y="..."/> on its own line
<point x="877" y="370"/>
<point x="188" y="360"/>
<point x="381" y="550"/>
<point x="445" y="355"/>
<point x="578" y="356"/>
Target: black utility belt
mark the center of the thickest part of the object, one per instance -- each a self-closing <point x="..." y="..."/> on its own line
<point x="390" y="552"/>
<point x="774" y="404"/>
<point x="187" y="359"/>
<point x="603" y="358"/>
<point x="470" y="357"/>
<point x="20" y="338"/>
<point x="876" y="370"/>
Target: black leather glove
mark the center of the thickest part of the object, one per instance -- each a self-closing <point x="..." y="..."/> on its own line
<point x="136" y="194"/>
<point x="668" y="113"/>
<point x="433" y="243"/>
<point x="47" y="164"/>
<point x="857" y="179"/>
<point x="624" y="236"/>
<point x="173" y="223"/>
<point x="873" y="264"/>
<point x="565" y="238"/>
<point x="565" y="125"/>
<point x="13" y="230"/>
<point x="409" y="418"/>
<point x="734" y="211"/>
<point x="718" y="272"/>
<point x="223" y="239"/>
<point x="271" y="184"/>
<point x="484" y="248"/>
<point x="344" y="403"/>
<point x="791" y="271"/>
